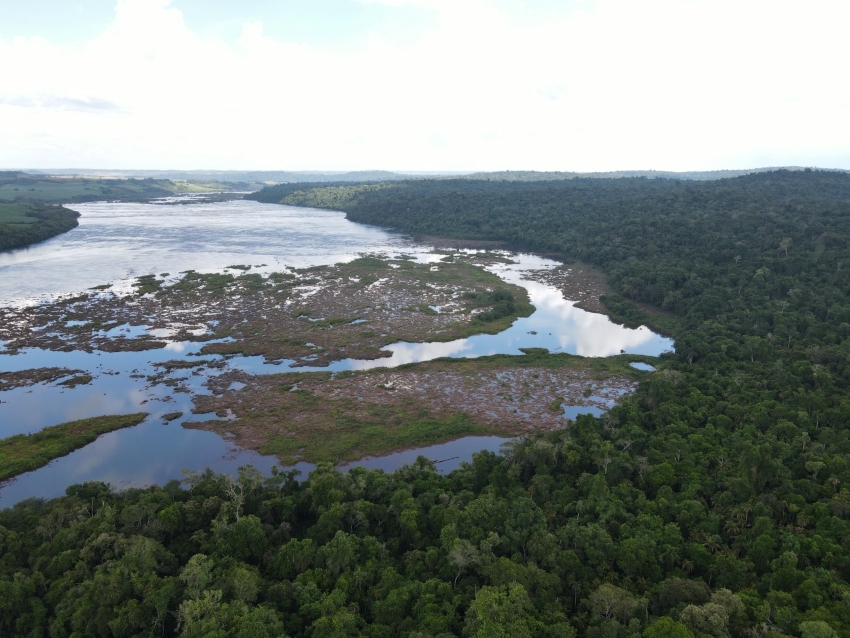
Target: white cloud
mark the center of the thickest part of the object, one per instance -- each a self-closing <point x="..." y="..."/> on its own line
<point x="678" y="84"/>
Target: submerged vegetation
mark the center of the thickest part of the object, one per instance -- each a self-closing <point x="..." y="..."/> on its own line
<point x="27" y="452"/>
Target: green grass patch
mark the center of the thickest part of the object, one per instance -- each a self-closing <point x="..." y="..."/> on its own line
<point x="146" y="284"/>
<point x="618" y="365"/>
<point x="24" y="453"/>
<point x="381" y="431"/>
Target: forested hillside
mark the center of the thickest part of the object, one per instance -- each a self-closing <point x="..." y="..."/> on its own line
<point x="715" y="501"/>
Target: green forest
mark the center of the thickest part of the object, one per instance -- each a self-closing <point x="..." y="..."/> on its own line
<point x="712" y="502"/>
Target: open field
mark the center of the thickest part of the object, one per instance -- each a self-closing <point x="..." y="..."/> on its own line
<point x="17" y="213"/>
<point x="23" y="453"/>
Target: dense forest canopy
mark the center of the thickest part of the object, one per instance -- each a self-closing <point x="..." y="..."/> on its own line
<point x="714" y="501"/>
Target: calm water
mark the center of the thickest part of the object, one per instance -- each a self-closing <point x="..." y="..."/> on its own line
<point x="116" y="242"/>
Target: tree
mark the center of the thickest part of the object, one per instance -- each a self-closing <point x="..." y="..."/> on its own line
<point x="666" y="627"/>
<point x="816" y="629"/>
<point x="462" y="555"/>
<point x="610" y="601"/>
<point x="500" y="612"/>
<point x="710" y="619"/>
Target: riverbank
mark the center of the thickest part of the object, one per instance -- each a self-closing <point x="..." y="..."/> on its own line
<point x="26" y="223"/>
<point x="589" y="288"/>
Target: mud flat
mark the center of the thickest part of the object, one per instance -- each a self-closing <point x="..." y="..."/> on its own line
<point x="323" y="417"/>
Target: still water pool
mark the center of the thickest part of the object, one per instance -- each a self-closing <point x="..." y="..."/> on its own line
<point x="117" y="242"/>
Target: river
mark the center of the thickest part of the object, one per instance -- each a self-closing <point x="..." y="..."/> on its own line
<point x="116" y="242"/>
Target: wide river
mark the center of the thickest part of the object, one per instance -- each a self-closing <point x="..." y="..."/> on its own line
<point x="116" y="242"/>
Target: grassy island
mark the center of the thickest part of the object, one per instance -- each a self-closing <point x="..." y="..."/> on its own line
<point x="24" y="453"/>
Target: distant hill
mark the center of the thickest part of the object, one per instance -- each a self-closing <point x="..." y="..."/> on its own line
<point x="545" y="176"/>
<point x="259" y="177"/>
<point x="16" y="186"/>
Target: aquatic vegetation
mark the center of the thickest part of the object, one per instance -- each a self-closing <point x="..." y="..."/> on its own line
<point x="323" y="417"/>
<point x="277" y="316"/>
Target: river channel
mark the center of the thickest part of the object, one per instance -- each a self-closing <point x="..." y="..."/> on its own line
<point x="117" y="242"/>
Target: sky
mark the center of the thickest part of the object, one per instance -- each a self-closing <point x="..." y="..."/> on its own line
<point x="424" y="85"/>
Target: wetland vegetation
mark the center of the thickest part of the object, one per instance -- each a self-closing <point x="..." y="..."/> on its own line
<point x="312" y="316"/>
<point x="318" y="417"/>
